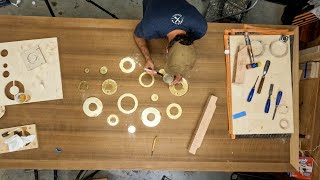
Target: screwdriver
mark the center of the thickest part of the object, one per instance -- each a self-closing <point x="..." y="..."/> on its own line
<point x="266" y="109"/>
<point x="279" y="96"/>
<point x="265" y="71"/>
<point x="252" y="91"/>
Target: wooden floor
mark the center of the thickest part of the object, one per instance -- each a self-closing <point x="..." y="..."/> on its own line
<point x="89" y="143"/>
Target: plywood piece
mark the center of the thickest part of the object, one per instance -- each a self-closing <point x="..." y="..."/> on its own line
<point x="242" y="60"/>
<point x="30" y="129"/>
<point x="279" y="74"/>
<point x="34" y="64"/>
<point x="203" y="124"/>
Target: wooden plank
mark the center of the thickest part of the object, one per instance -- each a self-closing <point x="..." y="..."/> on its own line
<point x="26" y="130"/>
<point x="89" y="143"/>
<point x="242" y="60"/>
<point x="203" y="124"/>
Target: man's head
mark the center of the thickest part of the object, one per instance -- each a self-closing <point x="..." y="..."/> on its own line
<point x="181" y="55"/>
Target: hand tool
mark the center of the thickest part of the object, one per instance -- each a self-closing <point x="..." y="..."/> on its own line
<point x="248" y="43"/>
<point x="154" y="144"/>
<point x="279" y="96"/>
<point x="265" y="70"/>
<point x="267" y="107"/>
<point x="252" y="91"/>
<point x="167" y="78"/>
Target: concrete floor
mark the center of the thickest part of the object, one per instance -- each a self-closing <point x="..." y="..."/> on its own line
<point x="264" y="13"/>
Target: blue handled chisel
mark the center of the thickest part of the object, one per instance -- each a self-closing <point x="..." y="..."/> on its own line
<point x="252" y="91"/>
<point x="267" y="107"/>
<point x="279" y="96"/>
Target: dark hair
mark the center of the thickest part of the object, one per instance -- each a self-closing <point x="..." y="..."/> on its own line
<point x="185" y="39"/>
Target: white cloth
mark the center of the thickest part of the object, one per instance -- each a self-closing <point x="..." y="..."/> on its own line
<point x="16" y="142"/>
<point x="316" y="11"/>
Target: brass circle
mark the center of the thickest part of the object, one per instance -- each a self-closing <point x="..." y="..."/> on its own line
<point x="154" y="97"/>
<point x="83" y="86"/>
<point x="182" y="91"/>
<point x="131" y="61"/>
<point x="106" y="84"/>
<point x="168" y="111"/>
<point x="136" y="103"/>
<point x="103" y="70"/>
<point x="113" y="120"/>
<point x="86" y="70"/>
<point x="146" y="85"/>
<point x="4" y="53"/>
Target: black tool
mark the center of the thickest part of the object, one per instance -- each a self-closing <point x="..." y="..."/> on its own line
<point x="252" y="91"/>
<point x="267" y="107"/>
<point x="279" y="96"/>
<point x="265" y="71"/>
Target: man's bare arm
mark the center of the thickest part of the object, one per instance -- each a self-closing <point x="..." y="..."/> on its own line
<point x="142" y="44"/>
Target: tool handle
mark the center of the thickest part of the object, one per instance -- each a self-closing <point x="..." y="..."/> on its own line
<point x="260" y="85"/>
<point x="266" y="109"/>
<point x="279" y="96"/>
<point x="250" y="95"/>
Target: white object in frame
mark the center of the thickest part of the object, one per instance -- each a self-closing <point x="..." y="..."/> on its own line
<point x="43" y="83"/>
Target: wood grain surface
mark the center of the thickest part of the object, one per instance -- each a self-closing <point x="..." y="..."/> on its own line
<point x="90" y="143"/>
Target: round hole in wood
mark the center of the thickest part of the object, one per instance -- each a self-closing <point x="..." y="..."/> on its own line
<point x="5" y="65"/>
<point x="4" y="53"/>
<point x="6" y="74"/>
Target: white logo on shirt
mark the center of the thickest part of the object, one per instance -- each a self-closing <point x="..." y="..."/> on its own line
<point x="177" y="19"/>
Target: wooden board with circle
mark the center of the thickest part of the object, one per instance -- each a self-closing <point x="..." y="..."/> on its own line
<point x="30" y="67"/>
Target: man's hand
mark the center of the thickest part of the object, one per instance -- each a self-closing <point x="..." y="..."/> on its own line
<point x="149" y="67"/>
<point x="177" y="79"/>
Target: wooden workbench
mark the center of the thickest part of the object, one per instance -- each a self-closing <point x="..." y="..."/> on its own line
<point x="90" y="143"/>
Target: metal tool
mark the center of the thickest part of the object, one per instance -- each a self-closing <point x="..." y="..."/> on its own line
<point x="267" y="107"/>
<point x="279" y="96"/>
<point x="167" y="78"/>
<point x="249" y="47"/>
<point x="154" y="144"/>
<point x="252" y="91"/>
<point x="265" y="71"/>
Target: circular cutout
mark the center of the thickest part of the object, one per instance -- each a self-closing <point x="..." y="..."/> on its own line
<point x="5" y="65"/>
<point x="154" y="97"/>
<point x="113" y="120"/>
<point x="86" y="105"/>
<point x="284" y="124"/>
<point x="151" y="122"/>
<point x="6" y="74"/>
<point x="11" y="84"/>
<point x="129" y="60"/>
<point x="103" y="70"/>
<point x="86" y="70"/>
<point x="4" y="53"/>
<point x="146" y="85"/>
<point x="278" y="49"/>
<point x="182" y="91"/>
<point x="2" y="111"/>
<point x="131" y="129"/>
<point x="135" y="103"/>
<point x="14" y="90"/>
<point x="257" y="48"/>
<point x="83" y="86"/>
<point x="168" y="111"/>
<point x="92" y="107"/>
<point x="109" y="87"/>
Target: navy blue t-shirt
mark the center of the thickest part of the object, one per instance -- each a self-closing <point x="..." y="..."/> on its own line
<point x="163" y="16"/>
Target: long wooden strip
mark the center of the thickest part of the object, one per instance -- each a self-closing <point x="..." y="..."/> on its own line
<point x="204" y="124"/>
